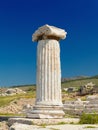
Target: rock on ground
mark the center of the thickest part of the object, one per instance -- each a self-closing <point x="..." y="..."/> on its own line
<point x="11" y="91"/>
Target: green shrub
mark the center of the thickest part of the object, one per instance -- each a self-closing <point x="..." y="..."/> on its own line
<point x="61" y="123"/>
<point x="90" y="127"/>
<point x="89" y="119"/>
<point x="12" y="115"/>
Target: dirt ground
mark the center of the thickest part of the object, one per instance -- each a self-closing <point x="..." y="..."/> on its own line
<point x="17" y="106"/>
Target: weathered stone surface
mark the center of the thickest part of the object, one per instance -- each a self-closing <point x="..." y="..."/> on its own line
<point x="92" y="97"/>
<point x="11" y="121"/>
<point x="54" y="127"/>
<point x="18" y="126"/>
<point x="48" y="98"/>
<point x="78" y="107"/>
<point x="48" y="73"/>
<point x="47" y="30"/>
<point x="46" y="111"/>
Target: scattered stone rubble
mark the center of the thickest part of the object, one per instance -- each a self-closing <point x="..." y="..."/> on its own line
<point x="87" y="89"/>
<point x="78" y="107"/>
<point x="40" y="122"/>
<point x="12" y="91"/>
<point x="18" y="106"/>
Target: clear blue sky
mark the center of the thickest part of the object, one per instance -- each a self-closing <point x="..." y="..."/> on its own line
<point x="20" y="18"/>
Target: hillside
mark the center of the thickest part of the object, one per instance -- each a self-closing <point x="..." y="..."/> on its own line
<point x="77" y="82"/>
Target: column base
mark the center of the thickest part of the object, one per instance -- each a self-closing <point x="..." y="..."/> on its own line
<point x="41" y="112"/>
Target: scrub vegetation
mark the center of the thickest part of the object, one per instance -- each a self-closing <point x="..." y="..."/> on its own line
<point x="89" y="119"/>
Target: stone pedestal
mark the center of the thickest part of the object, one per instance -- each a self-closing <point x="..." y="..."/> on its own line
<point x="48" y="97"/>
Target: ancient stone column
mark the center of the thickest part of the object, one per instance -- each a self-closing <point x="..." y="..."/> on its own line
<point x="48" y="96"/>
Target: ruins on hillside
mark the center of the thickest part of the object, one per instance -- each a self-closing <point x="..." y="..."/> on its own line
<point x="48" y="96"/>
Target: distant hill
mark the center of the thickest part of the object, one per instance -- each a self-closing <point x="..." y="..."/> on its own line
<point x="96" y="76"/>
<point x="27" y="85"/>
<point x="79" y="81"/>
<point x="74" y="78"/>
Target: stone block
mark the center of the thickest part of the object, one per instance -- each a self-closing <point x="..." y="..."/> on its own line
<point x="41" y="111"/>
<point x="92" y="97"/>
<point x="27" y="121"/>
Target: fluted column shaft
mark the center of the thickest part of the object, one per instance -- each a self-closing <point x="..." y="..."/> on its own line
<point x="48" y="73"/>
